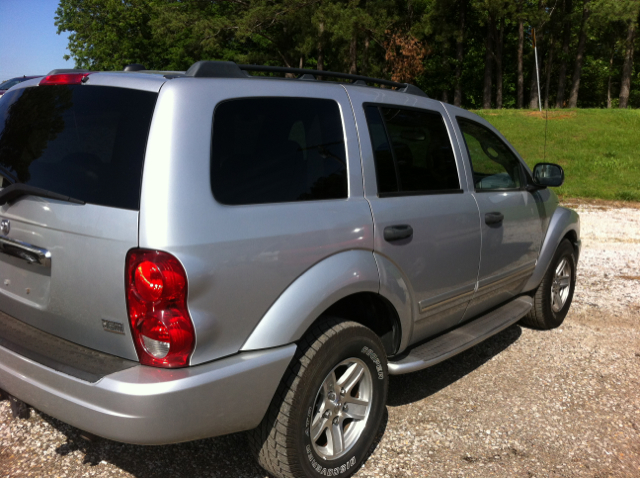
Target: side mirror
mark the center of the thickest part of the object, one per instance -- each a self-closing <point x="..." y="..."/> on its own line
<point x="548" y="174"/>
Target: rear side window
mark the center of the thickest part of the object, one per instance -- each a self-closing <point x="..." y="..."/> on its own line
<point x="275" y="150"/>
<point x="83" y="141"/>
<point x="412" y="152"/>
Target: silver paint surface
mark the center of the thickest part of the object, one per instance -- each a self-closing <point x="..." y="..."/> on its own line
<point x="239" y="259"/>
<point x="443" y="255"/>
<point x="85" y="283"/>
<point x="147" y="405"/>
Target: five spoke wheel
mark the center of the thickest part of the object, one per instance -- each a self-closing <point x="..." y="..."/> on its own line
<point x="561" y="285"/>
<point x="342" y="408"/>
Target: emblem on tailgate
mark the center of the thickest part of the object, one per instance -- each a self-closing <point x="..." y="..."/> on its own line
<point x="5" y="227"/>
<point x="112" y="326"/>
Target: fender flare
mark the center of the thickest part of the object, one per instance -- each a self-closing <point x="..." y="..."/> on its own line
<point x="394" y="287"/>
<point x="325" y="283"/>
<point x="562" y="222"/>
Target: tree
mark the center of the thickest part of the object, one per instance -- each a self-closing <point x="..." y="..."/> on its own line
<point x="108" y="34"/>
<point x="462" y="12"/>
<point x="564" y="57"/>
<point x="627" y="70"/>
<point x="520" y="79"/>
<point x="577" y="70"/>
<point x="472" y="51"/>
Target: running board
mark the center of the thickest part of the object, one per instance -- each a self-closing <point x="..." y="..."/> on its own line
<point x="462" y="338"/>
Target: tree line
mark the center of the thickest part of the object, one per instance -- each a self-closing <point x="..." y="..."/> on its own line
<point x="472" y="53"/>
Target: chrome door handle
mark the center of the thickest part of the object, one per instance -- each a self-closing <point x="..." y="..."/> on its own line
<point x="28" y="252"/>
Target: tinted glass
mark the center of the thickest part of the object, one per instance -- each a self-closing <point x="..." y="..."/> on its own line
<point x="495" y="167"/>
<point x="274" y="150"/>
<point x="414" y="154"/>
<point x="386" y="174"/>
<point x="87" y="142"/>
<point x="8" y="84"/>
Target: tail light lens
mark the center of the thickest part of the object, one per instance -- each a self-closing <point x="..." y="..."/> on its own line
<point x="157" y="303"/>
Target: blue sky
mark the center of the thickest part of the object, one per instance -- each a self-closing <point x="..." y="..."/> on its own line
<point x="29" y="44"/>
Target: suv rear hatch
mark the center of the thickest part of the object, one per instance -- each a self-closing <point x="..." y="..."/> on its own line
<point x="62" y="263"/>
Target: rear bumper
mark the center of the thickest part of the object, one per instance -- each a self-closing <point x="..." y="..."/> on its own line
<point x="146" y="405"/>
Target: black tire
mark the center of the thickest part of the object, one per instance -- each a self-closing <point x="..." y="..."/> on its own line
<point x="543" y="314"/>
<point x="282" y="443"/>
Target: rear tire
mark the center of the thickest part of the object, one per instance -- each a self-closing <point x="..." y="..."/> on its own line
<point x="552" y="299"/>
<point x="329" y="405"/>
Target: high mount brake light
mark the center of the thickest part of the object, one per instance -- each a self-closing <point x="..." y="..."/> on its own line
<point x="64" y="79"/>
<point x="156" y="285"/>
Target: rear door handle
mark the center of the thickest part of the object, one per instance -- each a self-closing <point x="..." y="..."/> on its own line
<point x="494" y="218"/>
<point x="398" y="232"/>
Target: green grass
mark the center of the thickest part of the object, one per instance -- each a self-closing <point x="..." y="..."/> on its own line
<point x="598" y="149"/>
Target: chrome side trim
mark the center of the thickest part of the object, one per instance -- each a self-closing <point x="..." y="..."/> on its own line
<point x="505" y="282"/>
<point x="28" y="252"/>
<point x="430" y="310"/>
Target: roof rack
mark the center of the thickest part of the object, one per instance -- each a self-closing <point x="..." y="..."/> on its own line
<point x="219" y="69"/>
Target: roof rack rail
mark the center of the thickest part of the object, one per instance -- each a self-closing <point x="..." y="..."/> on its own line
<point x="134" y="67"/>
<point x="220" y="69"/>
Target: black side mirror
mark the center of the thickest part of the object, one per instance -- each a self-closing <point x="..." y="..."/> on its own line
<point x="548" y="174"/>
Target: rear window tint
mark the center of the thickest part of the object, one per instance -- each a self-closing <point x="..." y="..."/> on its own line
<point x="275" y="150"/>
<point x="412" y="152"/>
<point x="87" y="142"/>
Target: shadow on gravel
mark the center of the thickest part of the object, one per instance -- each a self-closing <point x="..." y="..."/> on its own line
<point x="226" y="456"/>
<point x="413" y="387"/>
<point x="229" y="456"/>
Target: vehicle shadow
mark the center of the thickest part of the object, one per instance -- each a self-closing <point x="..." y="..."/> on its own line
<point x="229" y="456"/>
<point x="226" y="456"/>
<point x="409" y="388"/>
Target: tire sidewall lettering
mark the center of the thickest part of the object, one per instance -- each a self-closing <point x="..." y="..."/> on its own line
<point x="331" y="471"/>
<point x="376" y="361"/>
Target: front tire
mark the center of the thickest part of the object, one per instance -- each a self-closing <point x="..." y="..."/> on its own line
<point x="552" y="299"/>
<point x="329" y="405"/>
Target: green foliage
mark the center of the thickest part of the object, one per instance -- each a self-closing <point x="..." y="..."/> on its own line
<point x="595" y="148"/>
<point x="354" y="35"/>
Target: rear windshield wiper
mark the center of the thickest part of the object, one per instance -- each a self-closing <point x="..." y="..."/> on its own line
<point x="17" y="190"/>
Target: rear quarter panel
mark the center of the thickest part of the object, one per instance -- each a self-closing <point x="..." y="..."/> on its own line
<point x="239" y="259"/>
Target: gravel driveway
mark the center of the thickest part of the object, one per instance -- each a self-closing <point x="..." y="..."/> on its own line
<point x="523" y="403"/>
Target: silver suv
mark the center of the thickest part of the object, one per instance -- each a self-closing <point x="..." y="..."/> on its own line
<point x="191" y="254"/>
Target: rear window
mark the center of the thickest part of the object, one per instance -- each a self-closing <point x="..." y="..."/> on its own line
<point x="276" y="150"/>
<point x="87" y="142"/>
<point x="412" y="152"/>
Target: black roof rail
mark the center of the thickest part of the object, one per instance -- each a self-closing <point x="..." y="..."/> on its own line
<point x="134" y="67"/>
<point x="213" y="69"/>
<point x="218" y="69"/>
<point x="67" y="70"/>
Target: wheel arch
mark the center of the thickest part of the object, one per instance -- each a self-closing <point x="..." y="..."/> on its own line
<point x="564" y="224"/>
<point x="346" y="285"/>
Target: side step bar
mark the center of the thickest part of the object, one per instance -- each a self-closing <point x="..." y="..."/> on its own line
<point x="462" y="338"/>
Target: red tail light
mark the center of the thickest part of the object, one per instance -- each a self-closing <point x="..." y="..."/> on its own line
<point x="157" y="303"/>
<point x="64" y="79"/>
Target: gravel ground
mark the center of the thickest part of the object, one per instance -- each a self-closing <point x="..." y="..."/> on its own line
<point x="523" y="403"/>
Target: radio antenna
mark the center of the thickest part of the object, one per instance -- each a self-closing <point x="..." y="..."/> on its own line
<point x="546" y="123"/>
<point x="535" y="53"/>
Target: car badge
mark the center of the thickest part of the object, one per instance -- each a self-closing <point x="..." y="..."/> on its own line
<point x="5" y="227"/>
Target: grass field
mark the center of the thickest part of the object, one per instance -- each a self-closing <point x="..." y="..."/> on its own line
<point x="598" y="149"/>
